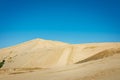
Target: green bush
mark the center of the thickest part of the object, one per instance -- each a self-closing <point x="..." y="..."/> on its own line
<point x="2" y="63"/>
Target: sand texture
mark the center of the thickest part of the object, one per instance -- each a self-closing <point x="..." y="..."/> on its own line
<point x="52" y="60"/>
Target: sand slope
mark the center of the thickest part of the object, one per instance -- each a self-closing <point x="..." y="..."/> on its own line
<point x="50" y="60"/>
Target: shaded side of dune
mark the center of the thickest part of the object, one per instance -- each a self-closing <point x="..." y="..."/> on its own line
<point x="100" y="55"/>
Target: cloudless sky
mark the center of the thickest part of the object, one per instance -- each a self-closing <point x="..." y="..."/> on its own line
<point x="71" y="21"/>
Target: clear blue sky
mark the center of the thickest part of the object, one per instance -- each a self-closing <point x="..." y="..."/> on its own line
<point x="71" y="21"/>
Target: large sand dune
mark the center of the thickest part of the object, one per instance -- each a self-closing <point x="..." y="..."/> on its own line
<point x="51" y="60"/>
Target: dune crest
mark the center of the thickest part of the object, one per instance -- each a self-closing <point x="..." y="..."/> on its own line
<point x="45" y="56"/>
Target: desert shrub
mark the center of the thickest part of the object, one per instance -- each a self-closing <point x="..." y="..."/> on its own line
<point x="2" y="63"/>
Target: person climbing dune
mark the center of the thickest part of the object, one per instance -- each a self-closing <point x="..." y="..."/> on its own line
<point x="2" y="63"/>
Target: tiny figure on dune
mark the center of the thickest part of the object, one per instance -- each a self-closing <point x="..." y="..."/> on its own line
<point x="2" y="63"/>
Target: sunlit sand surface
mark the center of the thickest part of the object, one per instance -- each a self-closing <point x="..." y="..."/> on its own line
<point x="51" y="60"/>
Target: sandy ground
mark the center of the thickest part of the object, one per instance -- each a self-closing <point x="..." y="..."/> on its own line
<point x="51" y="60"/>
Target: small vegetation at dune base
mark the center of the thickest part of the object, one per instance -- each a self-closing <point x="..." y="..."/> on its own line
<point x="2" y="63"/>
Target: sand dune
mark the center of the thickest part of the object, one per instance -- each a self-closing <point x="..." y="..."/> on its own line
<point x="51" y="60"/>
